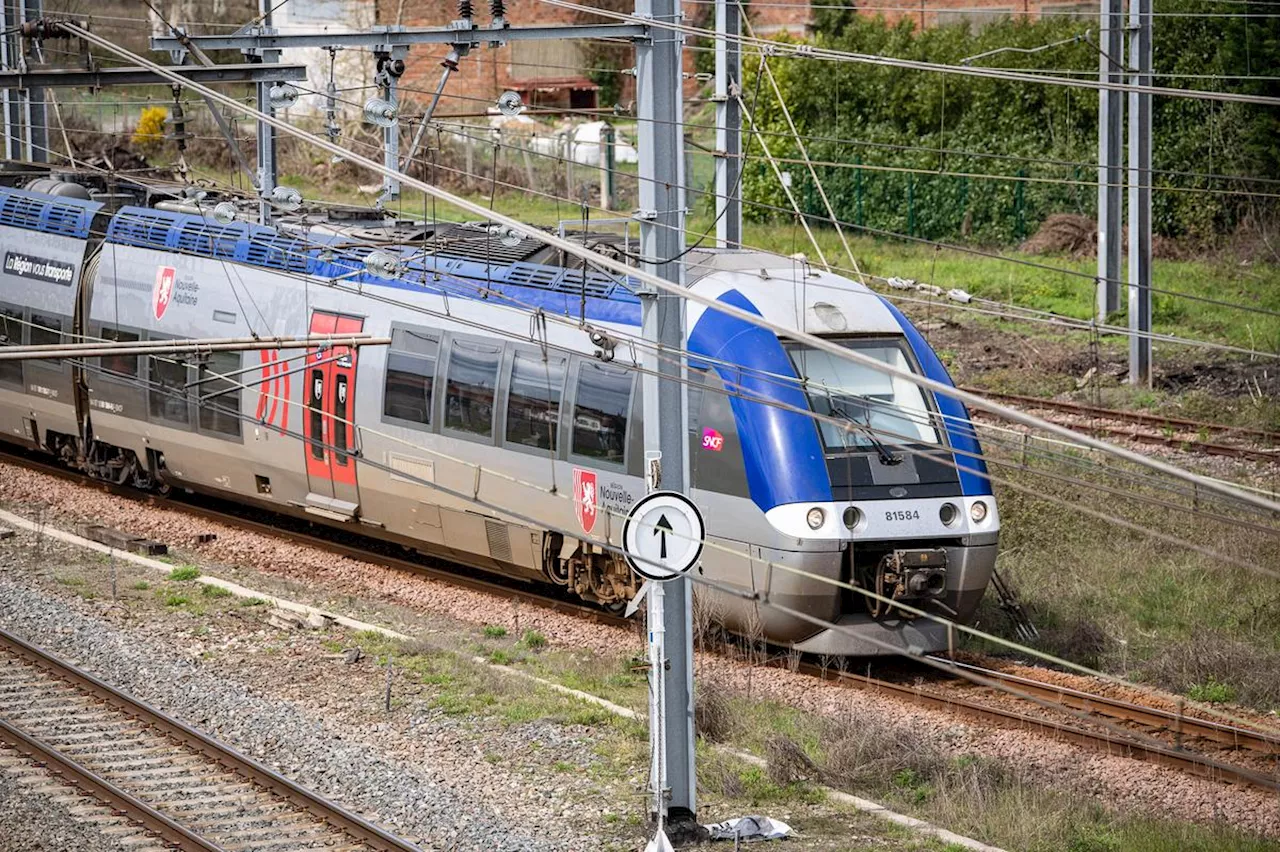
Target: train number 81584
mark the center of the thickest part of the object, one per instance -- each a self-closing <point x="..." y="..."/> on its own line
<point x="902" y="515"/>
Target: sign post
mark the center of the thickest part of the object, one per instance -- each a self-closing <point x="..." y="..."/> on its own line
<point x="662" y="540"/>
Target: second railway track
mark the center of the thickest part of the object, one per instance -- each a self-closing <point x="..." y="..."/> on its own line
<point x="175" y="783"/>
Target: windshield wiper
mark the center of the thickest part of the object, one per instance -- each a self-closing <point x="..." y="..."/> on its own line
<point x="886" y="457"/>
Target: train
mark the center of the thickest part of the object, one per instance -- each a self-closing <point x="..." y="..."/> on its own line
<point x="511" y="378"/>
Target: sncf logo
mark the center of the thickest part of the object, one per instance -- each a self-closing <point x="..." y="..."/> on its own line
<point x="163" y="291"/>
<point x="712" y="440"/>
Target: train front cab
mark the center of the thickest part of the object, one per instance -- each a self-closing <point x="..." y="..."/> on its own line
<point x="892" y="496"/>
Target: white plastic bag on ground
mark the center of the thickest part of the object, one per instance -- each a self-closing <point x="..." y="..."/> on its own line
<point x="749" y="828"/>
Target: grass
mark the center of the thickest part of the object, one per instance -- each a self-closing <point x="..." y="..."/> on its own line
<point x="494" y="631"/>
<point x="533" y="640"/>
<point x="176" y="600"/>
<point x="210" y="591"/>
<point x="184" y="572"/>
<point x="1134" y="605"/>
<point x="140" y="586"/>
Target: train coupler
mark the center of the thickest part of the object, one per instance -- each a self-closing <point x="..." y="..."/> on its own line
<point x="911" y="576"/>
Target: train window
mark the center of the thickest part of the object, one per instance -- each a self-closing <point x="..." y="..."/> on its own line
<point x="876" y="406"/>
<point x="411" y="374"/>
<point x="11" y="335"/>
<point x="46" y="330"/>
<point x="468" y="392"/>
<point x="315" y="411"/>
<point x="600" y="412"/>
<point x="340" y="418"/>
<point x="533" y="401"/>
<point x="221" y="413"/>
<point x="119" y="366"/>
<point x="167" y="397"/>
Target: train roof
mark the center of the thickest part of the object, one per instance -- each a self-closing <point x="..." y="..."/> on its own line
<point x="464" y="260"/>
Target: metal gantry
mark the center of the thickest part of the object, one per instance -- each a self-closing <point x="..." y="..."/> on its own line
<point x="659" y="57"/>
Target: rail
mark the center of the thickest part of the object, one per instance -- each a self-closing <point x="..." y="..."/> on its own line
<point x="211" y="750"/>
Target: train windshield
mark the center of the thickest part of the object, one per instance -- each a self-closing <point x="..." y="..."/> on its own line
<point x="861" y="405"/>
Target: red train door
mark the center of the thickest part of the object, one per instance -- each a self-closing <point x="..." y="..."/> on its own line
<point x="330" y="436"/>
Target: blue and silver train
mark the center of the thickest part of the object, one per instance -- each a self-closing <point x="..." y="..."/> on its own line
<point x="509" y="358"/>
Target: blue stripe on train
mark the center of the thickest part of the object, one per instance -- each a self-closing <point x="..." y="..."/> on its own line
<point x="969" y="464"/>
<point x="781" y="450"/>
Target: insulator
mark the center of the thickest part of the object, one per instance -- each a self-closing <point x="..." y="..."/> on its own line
<point x="224" y="213"/>
<point x="382" y="264"/>
<point x="282" y="96"/>
<point x="510" y="104"/>
<point x="498" y="8"/>
<point x="465" y="9"/>
<point x="286" y="198"/>
<point x="381" y="113"/>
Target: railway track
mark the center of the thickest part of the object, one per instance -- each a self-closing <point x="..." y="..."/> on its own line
<point x="1174" y="733"/>
<point x="1142" y="419"/>
<point x="1179" y="731"/>
<point x="184" y="788"/>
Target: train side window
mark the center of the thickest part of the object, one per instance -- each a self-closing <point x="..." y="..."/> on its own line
<point x="340" y="418"/>
<point x="167" y="397"/>
<point x="600" y="412"/>
<point x="411" y="375"/>
<point x="11" y="335"/>
<point x="119" y="366"/>
<point x="533" y="401"/>
<point x="46" y="330"/>
<point x="221" y="413"/>
<point x="315" y="410"/>
<point x="469" y="389"/>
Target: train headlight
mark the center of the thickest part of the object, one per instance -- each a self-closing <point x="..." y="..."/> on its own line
<point x="948" y="513"/>
<point x="851" y="516"/>
<point x="978" y="512"/>
<point x="816" y="518"/>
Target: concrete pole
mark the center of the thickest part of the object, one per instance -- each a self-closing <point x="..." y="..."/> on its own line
<point x="729" y="125"/>
<point x="662" y="222"/>
<point x="1140" y="194"/>
<point x="1110" y="154"/>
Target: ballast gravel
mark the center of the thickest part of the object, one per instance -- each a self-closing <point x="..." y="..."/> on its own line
<point x="439" y="813"/>
<point x="33" y="821"/>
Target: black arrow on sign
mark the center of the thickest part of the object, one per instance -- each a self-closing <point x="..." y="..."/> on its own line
<point x="662" y="527"/>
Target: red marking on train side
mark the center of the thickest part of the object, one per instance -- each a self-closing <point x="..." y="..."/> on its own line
<point x="162" y="293"/>
<point x="585" y="498"/>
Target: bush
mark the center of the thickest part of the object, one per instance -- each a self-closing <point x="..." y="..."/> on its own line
<point x="533" y="640"/>
<point x="215" y="592"/>
<point x="494" y="631"/>
<point x="184" y="572"/>
<point x="920" y="162"/>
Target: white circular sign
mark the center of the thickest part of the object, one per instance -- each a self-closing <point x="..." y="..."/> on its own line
<point x="663" y="535"/>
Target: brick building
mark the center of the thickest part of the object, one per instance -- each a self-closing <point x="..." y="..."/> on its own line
<point x="545" y="73"/>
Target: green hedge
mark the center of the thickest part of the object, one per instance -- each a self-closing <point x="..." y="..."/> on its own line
<point x="910" y="166"/>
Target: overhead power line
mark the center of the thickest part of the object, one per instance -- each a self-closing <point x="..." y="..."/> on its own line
<point x="808" y="51"/>
<point x="665" y="286"/>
